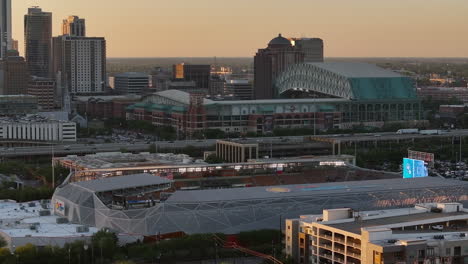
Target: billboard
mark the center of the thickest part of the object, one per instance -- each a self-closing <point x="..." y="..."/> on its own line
<point x="425" y="156"/>
<point x="59" y="207"/>
<point x="414" y="168"/>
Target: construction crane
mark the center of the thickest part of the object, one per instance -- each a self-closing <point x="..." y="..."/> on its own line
<point x="235" y="246"/>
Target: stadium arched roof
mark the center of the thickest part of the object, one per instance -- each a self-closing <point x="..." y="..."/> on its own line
<point x="355" y="81"/>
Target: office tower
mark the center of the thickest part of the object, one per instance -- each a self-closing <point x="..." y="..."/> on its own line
<point x="14" y="44"/>
<point x="312" y="48"/>
<point x="131" y="82"/>
<point x="74" y="26"/>
<point x="13" y="74"/>
<point x="270" y="62"/>
<point x="5" y="27"/>
<point x="37" y="41"/>
<point x="239" y="88"/>
<point x="200" y="74"/>
<point x="82" y="62"/>
<point x="44" y="90"/>
<point x="178" y="71"/>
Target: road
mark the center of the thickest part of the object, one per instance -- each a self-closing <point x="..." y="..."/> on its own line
<point x="77" y="149"/>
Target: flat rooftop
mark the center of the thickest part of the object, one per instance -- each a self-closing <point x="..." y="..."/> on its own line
<point x="16" y="219"/>
<point x="125" y="160"/>
<point x="319" y="190"/>
<point x="28" y="119"/>
<point x="428" y="217"/>
<point x="122" y="182"/>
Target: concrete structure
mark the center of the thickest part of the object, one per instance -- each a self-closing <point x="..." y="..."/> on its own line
<point x="427" y="233"/>
<point x="311" y="47"/>
<point x="160" y="79"/>
<point x="11" y="105"/>
<point x="34" y="223"/>
<point x="131" y="83"/>
<point x="113" y="202"/>
<point x="44" y="90"/>
<point x="375" y="94"/>
<point x="186" y="86"/>
<point x="14" y="75"/>
<point x="239" y="89"/>
<point x="15" y="44"/>
<point x="105" y="106"/>
<point x="5" y="28"/>
<point x="74" y="26"/>
<point x="352" y="94"/>
<point x="38" y="42"/>
<point x="81" y="62"/>
<point x="270" y="62"/>
<point x="443" y="93"/>
<point x="200" y="74"/>
<point x="36" y="128"/>
<point x="236" y="152"/>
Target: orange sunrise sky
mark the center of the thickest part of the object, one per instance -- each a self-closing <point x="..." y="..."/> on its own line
<point x="237" y="28"/>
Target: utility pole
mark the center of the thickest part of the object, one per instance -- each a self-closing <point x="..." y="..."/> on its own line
<point x="460" y="148"/>
<point x="53" y="169"/>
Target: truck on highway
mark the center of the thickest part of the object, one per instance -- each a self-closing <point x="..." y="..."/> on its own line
<point x="408" y="131"/>
<point x="431" y="132"/>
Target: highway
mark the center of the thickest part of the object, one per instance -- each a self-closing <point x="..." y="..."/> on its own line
<point x="77" y="149"/>
<point x="390" y="136"/>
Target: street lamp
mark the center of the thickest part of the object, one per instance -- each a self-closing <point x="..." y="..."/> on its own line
<point x="85" y="247"/>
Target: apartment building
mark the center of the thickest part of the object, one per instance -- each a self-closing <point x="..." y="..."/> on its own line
<point x="432" y="233"/>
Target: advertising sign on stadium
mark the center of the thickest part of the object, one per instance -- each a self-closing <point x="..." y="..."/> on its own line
<point x="425" y="156"/>
<point x="59" y="207"/>
<point x="414" y="168"/>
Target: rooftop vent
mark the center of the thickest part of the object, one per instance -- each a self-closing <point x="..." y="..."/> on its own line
<point x="61" y="220"/>
<point x="82" y="229"/>
<point x="44" y="213"/>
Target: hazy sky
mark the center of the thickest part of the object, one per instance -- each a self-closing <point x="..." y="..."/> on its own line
<point x="195" y="28"/>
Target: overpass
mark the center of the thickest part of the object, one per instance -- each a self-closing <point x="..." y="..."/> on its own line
<point x="278" y="144"/>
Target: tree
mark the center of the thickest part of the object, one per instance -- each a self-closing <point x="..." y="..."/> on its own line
<point x="2" y="242"/>
<point x="152" y="148"/>
<point x="213" y="159"/>
<point x="106" y="243"/>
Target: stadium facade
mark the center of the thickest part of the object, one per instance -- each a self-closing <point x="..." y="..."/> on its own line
<point x="142" y="204"/>
<point x="313" y="95"/>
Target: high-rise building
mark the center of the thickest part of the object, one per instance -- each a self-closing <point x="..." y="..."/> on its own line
<point x="13" y="74"/>
<point x="240" y="89"/>
<point x="5" y="27"/>
<point x="81" y="62"/>
<point x="74" y="26"/>
<point x="14" y="44"/>
<point x="270" y="62"/>
<point x="198" y="73"/>
<point x="131" y="82"/>
<point x="312" y="48"/>
<point x="44" y="90"/>
<point x="38" y="41"/>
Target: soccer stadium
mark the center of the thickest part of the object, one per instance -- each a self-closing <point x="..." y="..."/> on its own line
<point x="144" y="204"/>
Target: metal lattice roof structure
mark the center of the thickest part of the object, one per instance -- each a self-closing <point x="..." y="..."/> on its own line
<point x="356" y="81"/>
<point x="243" y="209"/>
<point x="122" y="182"/>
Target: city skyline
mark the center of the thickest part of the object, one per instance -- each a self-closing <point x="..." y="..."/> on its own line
<point x="363" y="28"/>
